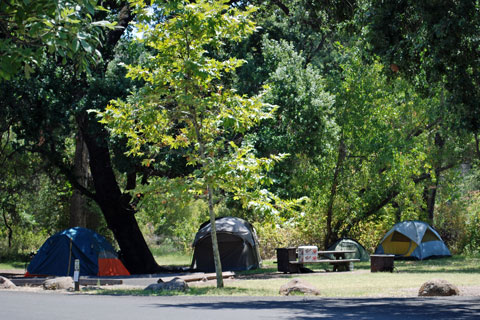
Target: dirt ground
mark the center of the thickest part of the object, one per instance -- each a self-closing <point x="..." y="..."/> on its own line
<point x="141" y="283"/>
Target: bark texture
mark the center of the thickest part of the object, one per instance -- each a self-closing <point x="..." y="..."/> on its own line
<point x="116" y="208"/>
<point x="78" y="212"/>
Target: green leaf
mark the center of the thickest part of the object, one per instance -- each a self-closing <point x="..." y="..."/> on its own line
<point x="28" y="70"/>
<point x="86" y="46"/>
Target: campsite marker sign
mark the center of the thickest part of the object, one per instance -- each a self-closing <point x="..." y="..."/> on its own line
<point x="76" y="274"/>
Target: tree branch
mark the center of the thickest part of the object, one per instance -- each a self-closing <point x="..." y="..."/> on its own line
<point x="282" y="6"/>
<point x="65" y="170"/>
<point x="388" y="196"/>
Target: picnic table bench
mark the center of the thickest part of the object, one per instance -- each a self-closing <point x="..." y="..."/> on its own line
<point x="287" y="260"/>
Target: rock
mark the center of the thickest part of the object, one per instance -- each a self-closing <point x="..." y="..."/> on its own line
<point x="438" y="287"/>
<point x="65" y="283"/>
<point x="176" y="284"/>
<point x="298" y="285"/>
<point x="5" y="283"/>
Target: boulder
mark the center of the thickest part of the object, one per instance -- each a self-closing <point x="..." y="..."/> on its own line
<point x="5" y="283"/>
<point x="60" y="283"/>
<point x="298" y="285"/>
<point x="176" y="284"/>
<point x="438" y="287"/>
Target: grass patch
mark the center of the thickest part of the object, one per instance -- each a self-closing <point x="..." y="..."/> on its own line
<point x="330" y="284"/>
<point x="174" y="259"/>
<point x="359" y="284"/>
<point x="268" y="266"/>
<point x="13" y="265"/>
<point x="455" y="264"/>
<point x="403" y="282"/>
<point x="170" y="256"/>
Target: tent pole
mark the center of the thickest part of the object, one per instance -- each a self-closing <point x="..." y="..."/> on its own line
<point x="69" y="257"/>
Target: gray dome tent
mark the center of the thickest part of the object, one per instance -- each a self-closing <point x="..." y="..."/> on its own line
<point x="350" y="244"/>
<point x="237" y="243"/>
<point x="413" y="240"/>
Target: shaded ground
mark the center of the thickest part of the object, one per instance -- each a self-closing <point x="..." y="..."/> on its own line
<point x="71" y="306"/>
<point x="142" y="281"/>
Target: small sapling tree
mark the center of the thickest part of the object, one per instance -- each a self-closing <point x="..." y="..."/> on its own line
<point x="186" y="103"/>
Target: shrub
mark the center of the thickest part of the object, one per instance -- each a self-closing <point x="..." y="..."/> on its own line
<point x="24" y="241"/>
<point x="271" y="236"/>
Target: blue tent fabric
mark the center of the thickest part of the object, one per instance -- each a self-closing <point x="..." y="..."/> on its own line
<point x="57" y="255"/>
<point x="415" y="231"/>
<point x="431" y="249"/>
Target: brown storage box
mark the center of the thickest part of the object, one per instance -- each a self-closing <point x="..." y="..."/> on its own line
<point x="284" y="255"/>
<point x="381" y="262"/>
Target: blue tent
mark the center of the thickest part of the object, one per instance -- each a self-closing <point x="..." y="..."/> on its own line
<point x="413" y="240"/>
<point x="57" y="255"/>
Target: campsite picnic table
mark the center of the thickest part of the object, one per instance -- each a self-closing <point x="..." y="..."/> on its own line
<point x="287" y="260"/>
<point x="338" y="254"/>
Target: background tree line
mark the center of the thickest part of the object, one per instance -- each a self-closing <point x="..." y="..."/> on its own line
<point x="376" y="107"/>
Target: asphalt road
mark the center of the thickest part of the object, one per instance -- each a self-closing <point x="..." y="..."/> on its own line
<point x="19" y="305"/>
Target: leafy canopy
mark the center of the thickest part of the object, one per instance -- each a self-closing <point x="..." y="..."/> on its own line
<point x="66" y="28"/>
<point x="184" y="103"/>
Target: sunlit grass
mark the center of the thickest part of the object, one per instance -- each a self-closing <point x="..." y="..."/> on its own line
<point x="359" y="284"/>
<point x="406" y="279"/>
<point x="452" y="264"/>
<point x="171" y="256"/>
<point x="342" y="284"/>
<point x="174" y="259"/>
<point x="12" y="265"/>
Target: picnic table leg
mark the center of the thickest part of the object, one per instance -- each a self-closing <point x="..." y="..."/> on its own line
<point x="342" y="266"/>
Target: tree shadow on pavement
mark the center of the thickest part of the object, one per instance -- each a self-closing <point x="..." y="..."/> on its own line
<point x="322" y="308"/>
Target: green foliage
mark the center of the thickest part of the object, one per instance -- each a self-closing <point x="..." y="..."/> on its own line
<point x="184" y="104"/>
<point x="368" y="138"/>
<point x="32" y="29"/>
<point x="471" y="245"/>
<point x="388" y="127"/>
<point x="457" y="211"/>
<point x="303" y="126"/>
<point x="272" y="236"/>
<point x="24" y="242"/>
<point x="437" y="40"/>
<point x="170" y="217"/>
<point x="32" y="203"/>
<point x="383" y="126"/>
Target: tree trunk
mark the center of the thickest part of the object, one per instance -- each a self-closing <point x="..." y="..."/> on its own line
<point x="432" y="195"/>
<point x="9" y="229"/>
<point x="216" y="251"/>
<point x="431" y="191"/>
<point x="429" y="195"/>
<point x="329" y="237"/>
<point x="78" y="213"/>
<point x="398" y="212"/>
<point x="211" y="213"/>
<point x="116" y="207"/>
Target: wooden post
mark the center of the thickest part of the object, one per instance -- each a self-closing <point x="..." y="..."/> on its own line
<point x="76" y="275"/>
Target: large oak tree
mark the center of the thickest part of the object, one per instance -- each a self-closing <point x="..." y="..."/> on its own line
<point x="50" y="103"/>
